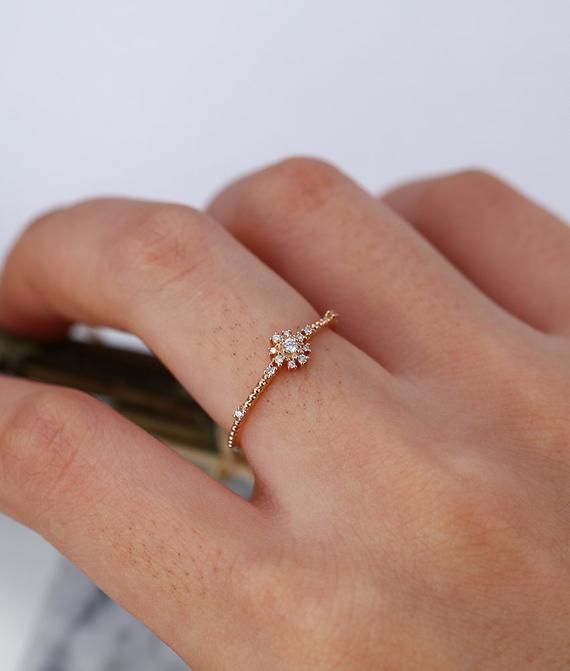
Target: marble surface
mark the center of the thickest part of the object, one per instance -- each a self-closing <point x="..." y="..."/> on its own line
<point x="28" y="565"/>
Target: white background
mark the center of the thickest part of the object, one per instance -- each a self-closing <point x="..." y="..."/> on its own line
<point x="171" y="99"/>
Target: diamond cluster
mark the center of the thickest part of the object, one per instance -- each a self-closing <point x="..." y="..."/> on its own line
<point x="290" y="349"/>
<point x="287" y="349"/>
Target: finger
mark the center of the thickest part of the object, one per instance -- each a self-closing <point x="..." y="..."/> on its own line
<point x="401" y="301"/>
<point x="145" y="525"/>
<point x="203" y="303"/>
<point x="515" y="251"/>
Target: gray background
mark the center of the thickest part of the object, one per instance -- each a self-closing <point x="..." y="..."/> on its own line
<point x="169" y="100"/>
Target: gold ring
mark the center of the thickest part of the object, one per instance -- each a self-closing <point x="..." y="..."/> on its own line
<point x="288" y="350"/>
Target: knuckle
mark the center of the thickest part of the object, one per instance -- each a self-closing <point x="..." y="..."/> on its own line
<point x="473" y="187"/>
<point x="298" y="184"/>
<point x="164" y="244"/>
<point x="482" y="185"/>
<point x="41" y="443"/>
<point x="476" y="178"/>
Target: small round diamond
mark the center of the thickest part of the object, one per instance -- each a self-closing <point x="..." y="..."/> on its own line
<point x="270" y="371"/>
<point x="307" y="330"/>
<point x="291" y="364"/>
<point x="302" y="359"/>
<point x="291" y="345"/>
<point x="273" y="350"/>
<point x="279" y="359"/>
<point x="239" y="413"/>
<point x="275" y="338"/>
<point x="307" y="348"/>
<point x="287" y="333"/>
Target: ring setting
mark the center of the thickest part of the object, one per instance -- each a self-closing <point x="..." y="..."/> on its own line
<point x="288" y="350"/>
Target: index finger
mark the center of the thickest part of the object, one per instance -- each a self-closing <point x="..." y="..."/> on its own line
<point x="199" y="299"/>
<point x="144" y="524"/>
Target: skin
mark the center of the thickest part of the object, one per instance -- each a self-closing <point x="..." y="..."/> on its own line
<point x="412" y="499"/>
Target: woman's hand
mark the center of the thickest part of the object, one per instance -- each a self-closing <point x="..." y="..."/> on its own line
<point x="411" y="509"/>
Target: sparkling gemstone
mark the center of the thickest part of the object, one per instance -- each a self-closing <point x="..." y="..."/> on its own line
<point x="279" y="359"/>
<point x="273" y="350"/>
<point x="307" y="348"/>
<point x="287" y="334"/>
<point x="307" y="330"/>
<point x="270" y="371"/>
<point x="302" y="359"/>
<point x="291" y="345"/>
<point x="291" y="364"/>
<point x="239" y="413"/>
<point x="276" y="337"/>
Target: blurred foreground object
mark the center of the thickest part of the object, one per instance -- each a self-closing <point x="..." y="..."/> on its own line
<point x="136" y="385"/>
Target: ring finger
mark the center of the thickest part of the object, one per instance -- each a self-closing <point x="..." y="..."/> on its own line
<point x="403" y="302"/>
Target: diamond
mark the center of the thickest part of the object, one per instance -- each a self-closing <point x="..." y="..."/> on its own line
<point x="307" y="330"/>
<point x="273" y="350"/>
<point x="287" y="334"/>
<point x="270" y="371"/>
<point x="291" y="345"/>
<point x="307" y="348"/>
<point x="276" y="337"/>
<point x="291" y="364"/>
<point x="303" y="359"/>
<point x="239" y="413"/>
<point x="279" y="359"/>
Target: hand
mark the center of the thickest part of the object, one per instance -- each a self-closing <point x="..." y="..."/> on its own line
<point x="411" y="509"/>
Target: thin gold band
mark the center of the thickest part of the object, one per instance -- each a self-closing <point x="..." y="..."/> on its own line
<point x="289" y="350"/>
